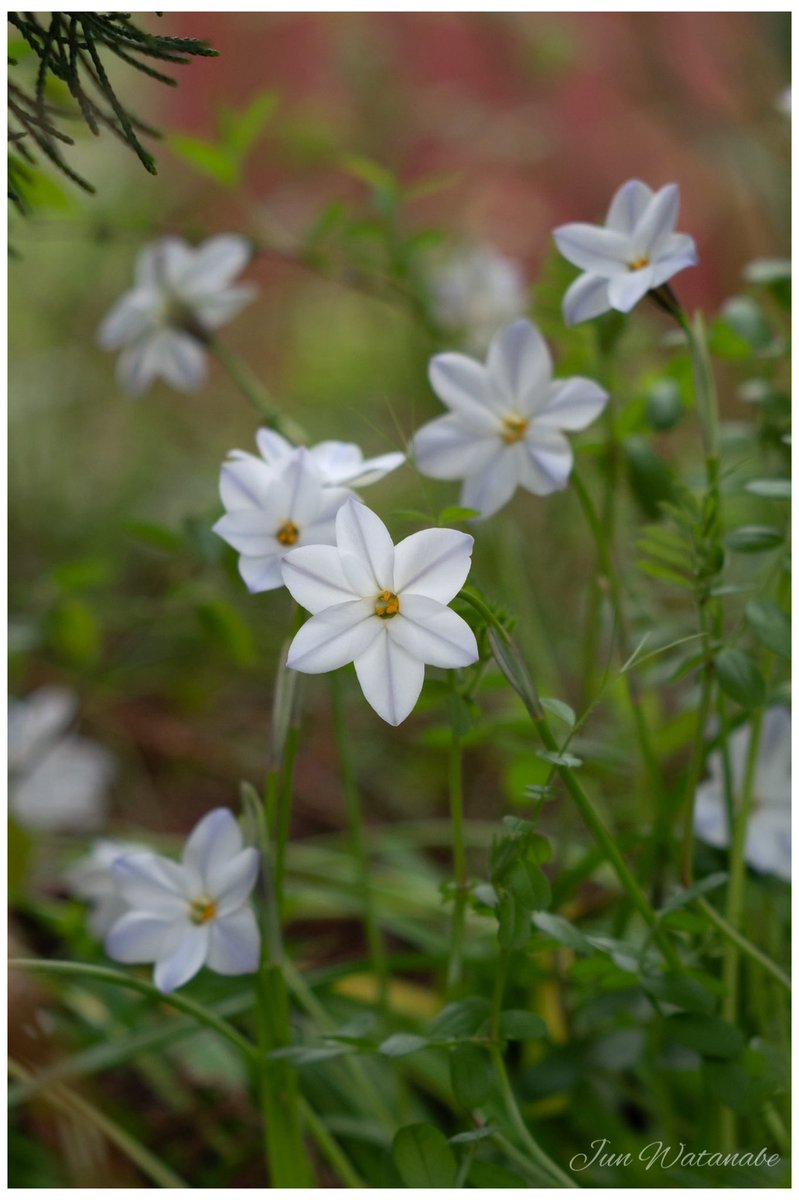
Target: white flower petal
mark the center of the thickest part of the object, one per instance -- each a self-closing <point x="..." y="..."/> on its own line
<point x="463" y="385"/>
<point x="432" y="633"/>
<point x="213" y="841"/>
<point x="65" y="789"/>
<point x="334" y="637"/>
<point x="710" y="818"/>
<point x="251" y="531"/>
<point x="244" y="482"/>
<point x="138" y="937"/>
<point x="234" y="944"/>
<point x="656" y="223"/>
<point x="587" y="297"/>
<point x="301" y="485"/>
<point x="447" y="448"/>
<point x="315" y="577"/>
<point x="768" y="843"/>
<point x="572" y="404"/>
<point x="593" y="248"/>
<point x="343" y="463"/>
<point x="433" y="562"/>
<point x="519" y="365"/>
<point x="488" y="489"/>
<point x="231" y="880"/>
<point x="361" y="533"/>
<point x="262" y="573"/>
<point x="36" y="721"/>
<point x="217" y="308"/>
<point x="152" y="884"/>
<point x="132" y="315"/>
<point x="625" y="291"/>
<point x="183" y="963"/>
<point x="390" y="678"/>
<point x="212" y="265"/>
<point x="274" y="448"/>
<point x="546" y="461"/>
<point x="159" y="265"/>
<point x="182" y="360"/>
<point x="672" y="264"/>
<point x="628" y="205"/>
<point x="138" y="365"/>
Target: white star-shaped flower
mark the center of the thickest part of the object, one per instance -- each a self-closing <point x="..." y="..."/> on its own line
<point x="272" y="511"/>
<point x="91" y="878"/>
<point x="477" y="291"/>
<point x="340" y="465"/>
<point x="185" y="915"/>
<point x="636" y="250"/>
<point x="181" y="293"/>
<point x="504" y="427"/>
<point x="768" y="835"/>
<point x="382" y="607"/>
<point x="59" y="780"/>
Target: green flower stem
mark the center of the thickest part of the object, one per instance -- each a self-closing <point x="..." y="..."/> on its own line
<point x="352" y="797"/>
<point x="134" y="984"/>
<point x="744" y="945"/>
<point x="72" y="1104"/>
<point x="499" y="992"/>
<point x="331" y="1149"/>
<point x="735" y="901"/>
<point x="251" y="387"/>
<point x="695" y="770"/>
<point x="455" y="964"/>
<point x="538" y="1156"/>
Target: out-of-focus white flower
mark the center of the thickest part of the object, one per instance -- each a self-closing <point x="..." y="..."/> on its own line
<point x="184" y="915"/>
<point x="181" y="293"/>
<point x="504" y="427"/>
<point x="271" y="511"/>
<point x="636" y="250"/>
<point x="476" y="292"/>
<point x="92" y="879"/>
<point x="340" y="465"/>
<point x="59" y="781"/>
<point x="784" y="103"/>
<point x="768" y="836"/>
<point x="382" y="607"/>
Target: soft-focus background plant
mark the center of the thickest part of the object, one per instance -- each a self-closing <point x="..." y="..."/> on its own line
<point x="360" y="152"/>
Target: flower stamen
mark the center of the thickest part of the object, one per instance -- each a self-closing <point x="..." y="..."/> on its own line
<point x="514" y="429"/>
<point x="638" y="264"/>
<point x="288" y="534"/>
<point x="387" y="605"/>
<point x="202" y="910"/>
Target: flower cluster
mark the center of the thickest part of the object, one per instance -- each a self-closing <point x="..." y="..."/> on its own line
<point x="179" y="916"/>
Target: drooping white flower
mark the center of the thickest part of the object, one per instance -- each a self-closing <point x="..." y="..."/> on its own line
<point x="340" y="465"/>
<point x="59" y="781"/>
<point x="180" y="294"/>
<point x="634" y="251"/>
<point x="91" y="878"/>
<point x="382" y="607"/>
<point x="505" y="425"/>
<point x="182" y="916"/>
<point x="272" y="510"/>
<point x="768" y="836"/>
<point x="476" y="292"/>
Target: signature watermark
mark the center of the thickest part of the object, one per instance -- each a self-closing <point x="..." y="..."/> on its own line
<point x="666" y="1155"/>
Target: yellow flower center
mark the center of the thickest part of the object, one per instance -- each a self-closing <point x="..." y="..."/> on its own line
<point x="514" y="429"/>
<point x="288" y="534"/>
<point x="386" y="605"/>
<point x="638" y="264"/>
<point x="203" y="910"/>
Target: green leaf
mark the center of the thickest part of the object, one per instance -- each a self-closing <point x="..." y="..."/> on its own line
<point x="241" y="130"/>
<point x="19" y="850"/>
<point x="651" y="477"/>
<point x="771" y="625"/>
<point x="560" y="760"/>
<point x="679" y="989"/>
<point x="712" y="1037"/>
<point x="464" y="1018"/>
<point x="529" y="886"/>
<point x="688" y="895"/>
<point x="455" y="513"/>
<point x="471" y="1074"/>
<point x="561" y="710"/>
<point x="740" y="679"/>
<point x="424" y="1157"/>
<point x="227" y="629"/>
<point x="206" y="157"/>
<point x="562" y="931"/>
<point x="400" y="1044"/>
<point x="518" y="1025"/>
<point x="746" y="317"/>
<point x="664" y="404"/>
<point x="514" y="923"/>
<point x="770" y="489"/>
<point x="754" y="539"/>
<point x="74" y="632"/>
<point x="473" y="1135"/>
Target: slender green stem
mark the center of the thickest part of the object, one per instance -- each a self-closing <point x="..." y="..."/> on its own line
<point x="254" y="391"/>
<point x="455" y="964"/>
<point x="134" y="984"/>
<point x="744" y="945"/>
<point x="499" y="992"/>
<point x="695" y="770"/>
<point x="538" y="1156"/>
<point x="735" y="898"/>
<point x="352" y="798"/>
<point x="72" y="1104"/>
<point x="330" y="1148"/>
